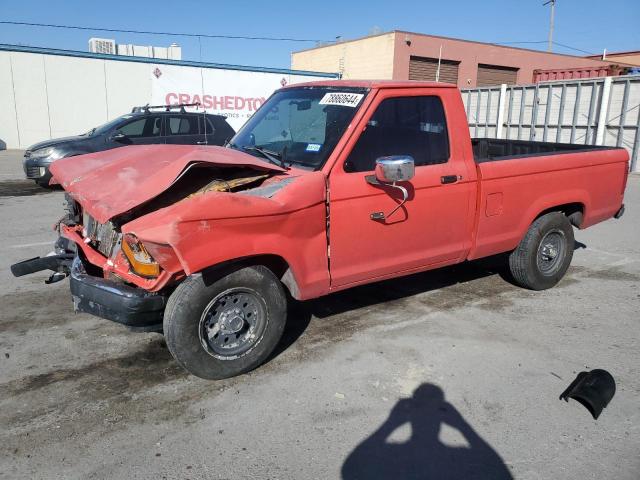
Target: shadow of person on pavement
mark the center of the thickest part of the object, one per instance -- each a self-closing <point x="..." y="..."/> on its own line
<point x="423" y="455"/>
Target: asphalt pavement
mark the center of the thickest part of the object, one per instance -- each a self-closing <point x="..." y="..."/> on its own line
<point x="454" y="373"/>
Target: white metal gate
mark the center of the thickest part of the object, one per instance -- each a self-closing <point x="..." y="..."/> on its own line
<point x="563" y="111"/>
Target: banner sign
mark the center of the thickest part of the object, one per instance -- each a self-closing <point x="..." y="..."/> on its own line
<point x="236" y="94"/>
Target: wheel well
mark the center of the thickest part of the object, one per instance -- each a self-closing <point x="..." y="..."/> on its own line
<point x="573" y="211"/>
<point x="275" y="263"/>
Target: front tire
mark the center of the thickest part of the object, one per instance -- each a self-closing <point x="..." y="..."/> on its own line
<point x="544" y="254"/>
<point x="227" y="327"/>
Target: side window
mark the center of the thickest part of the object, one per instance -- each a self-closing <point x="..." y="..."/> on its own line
<point x="143" y="127"/>
<point x="221" y="131"/>
<point x="209" y="128"/>
<point x="414" y="126"/>
<point x="183" y="125"/>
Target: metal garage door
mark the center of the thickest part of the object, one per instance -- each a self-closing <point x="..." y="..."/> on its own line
<point x="496" y="75"/>
<point x="422" y="68"/>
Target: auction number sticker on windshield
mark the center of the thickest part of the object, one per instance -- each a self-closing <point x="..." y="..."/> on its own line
<point x="344" y="99"/>
<point x="313" y="147"/>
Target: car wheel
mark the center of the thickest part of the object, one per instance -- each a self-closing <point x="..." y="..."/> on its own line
<point x="230" y="326"/>
<point x="544" y="254"/>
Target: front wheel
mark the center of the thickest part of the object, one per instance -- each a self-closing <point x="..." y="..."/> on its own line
<point x="230" y="326"/>
<point x="544" y="254"/>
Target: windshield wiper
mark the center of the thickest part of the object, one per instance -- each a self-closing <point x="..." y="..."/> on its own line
<point x="273" y="157"/>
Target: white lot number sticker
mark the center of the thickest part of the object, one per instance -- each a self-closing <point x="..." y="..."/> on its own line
<point x="343" y="99"/>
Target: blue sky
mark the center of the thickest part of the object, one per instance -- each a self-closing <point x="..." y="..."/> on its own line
<point x="584" y="24"/>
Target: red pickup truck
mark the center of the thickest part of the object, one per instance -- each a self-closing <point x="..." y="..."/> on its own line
<point x="329" y="185"/>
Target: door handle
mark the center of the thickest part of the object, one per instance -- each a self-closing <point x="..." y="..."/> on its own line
<point x="450" y="178"/>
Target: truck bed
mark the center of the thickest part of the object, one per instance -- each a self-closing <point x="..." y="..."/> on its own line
<point x="537" y="176"/>
<point x="493" y="149"/>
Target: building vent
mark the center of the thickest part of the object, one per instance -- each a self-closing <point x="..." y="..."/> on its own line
<point x="425" y="69"/>
<point x="102" y="45"/>
<point x="174" y="52"/>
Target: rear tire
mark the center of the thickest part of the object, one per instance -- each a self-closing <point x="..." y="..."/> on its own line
<point x="544" y="254"/>
<point x="227" y="327"/>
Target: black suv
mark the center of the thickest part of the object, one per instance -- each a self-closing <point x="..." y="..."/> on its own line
<point x="144" y="125"/>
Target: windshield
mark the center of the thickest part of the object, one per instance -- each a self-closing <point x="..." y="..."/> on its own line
<point x="300" y="126"/>
<point x="104" y="128"/>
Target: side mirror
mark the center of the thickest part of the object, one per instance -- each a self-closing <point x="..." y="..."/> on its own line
<point x="397" y="168"/>
<point x="389" y="170"/>
<point x="118" y="137"/>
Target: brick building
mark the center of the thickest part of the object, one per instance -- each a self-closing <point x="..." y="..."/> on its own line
<point x="403" y="55"/>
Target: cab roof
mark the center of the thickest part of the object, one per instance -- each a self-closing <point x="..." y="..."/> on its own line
<point x="373" y="84"/>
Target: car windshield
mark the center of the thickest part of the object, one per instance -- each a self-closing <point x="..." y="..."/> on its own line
<point x="105" y="127"/>
<point x="299" y="126"/>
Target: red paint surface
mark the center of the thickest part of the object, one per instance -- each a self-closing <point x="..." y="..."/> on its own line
<point x="439" y="225"/>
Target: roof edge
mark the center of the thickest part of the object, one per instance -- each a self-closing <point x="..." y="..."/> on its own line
<point x="406" y="32"/>
<point x="499" y="45"/>
<point x="345" y="41"/>
<point x="626" y="52"/>
<point x="181" y="63"/>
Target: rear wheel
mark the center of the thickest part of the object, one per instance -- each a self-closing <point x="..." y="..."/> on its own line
<point x="544" y="254"/>
<point x="227" y="327"/>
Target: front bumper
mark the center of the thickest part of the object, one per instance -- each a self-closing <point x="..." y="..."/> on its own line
<point x="37" y="168"/>
<point x="136" y="308"/>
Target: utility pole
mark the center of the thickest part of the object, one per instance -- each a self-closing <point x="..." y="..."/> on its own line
<point x="553" y="7"/>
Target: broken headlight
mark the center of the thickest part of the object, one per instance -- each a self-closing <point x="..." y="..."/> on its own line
<point x="142" y="263"/>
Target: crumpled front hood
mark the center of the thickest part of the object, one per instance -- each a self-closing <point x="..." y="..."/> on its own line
<point x="113" y="182"/>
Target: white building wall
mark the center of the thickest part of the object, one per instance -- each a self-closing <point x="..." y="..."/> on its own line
<point x="76" y="94"/>
<point x="8" y="124"/>
<point x="31" y="102"/>
<point x="46" y="96"/>
<point x="127" y="84"/>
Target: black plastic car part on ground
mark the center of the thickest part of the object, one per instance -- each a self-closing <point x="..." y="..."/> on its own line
<point x="593" y="389"/>
<point x="143" y="126"/>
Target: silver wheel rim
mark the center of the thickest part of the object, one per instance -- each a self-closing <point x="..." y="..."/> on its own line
<point x="233" y="323"/>
<point x="551" y="252"/>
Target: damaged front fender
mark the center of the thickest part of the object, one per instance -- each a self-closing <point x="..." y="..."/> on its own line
<point x="284" y="216"/>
